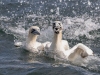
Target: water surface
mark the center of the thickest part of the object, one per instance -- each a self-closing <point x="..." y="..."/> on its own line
<point x="81" y="21"/>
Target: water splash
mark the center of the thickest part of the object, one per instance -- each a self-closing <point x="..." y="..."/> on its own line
<point x="81" y="21"/>
<point x="73" y="27"/>
<point x="89" y="3"/>
<point x="57" y="11"/>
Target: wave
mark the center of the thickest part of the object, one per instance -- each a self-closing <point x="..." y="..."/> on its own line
<point x="76" y="28"/>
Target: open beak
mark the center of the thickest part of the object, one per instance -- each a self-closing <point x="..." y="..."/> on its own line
<point x="56" y="30"/>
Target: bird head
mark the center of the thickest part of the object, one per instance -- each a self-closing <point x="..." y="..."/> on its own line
<point x="34" y="30"/>
<point x="57" y="27"/>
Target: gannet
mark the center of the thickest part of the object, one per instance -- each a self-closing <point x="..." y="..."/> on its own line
<point x="60" y="49"/>
<point x="31" y="43"/>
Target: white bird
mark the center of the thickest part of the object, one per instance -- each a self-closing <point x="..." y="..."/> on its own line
<point x="60" y="49"/>
<point x="31" y="43"/>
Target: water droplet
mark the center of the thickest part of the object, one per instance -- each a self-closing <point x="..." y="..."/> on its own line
<point x="51" y="10"/>
<point x="89" y="3"/>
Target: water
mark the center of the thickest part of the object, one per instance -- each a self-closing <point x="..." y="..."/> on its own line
<point x="81" y="21"/>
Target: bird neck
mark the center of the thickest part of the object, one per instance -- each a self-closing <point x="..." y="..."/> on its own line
<point x="57" y="39"/>
<point x="32" y="39"/>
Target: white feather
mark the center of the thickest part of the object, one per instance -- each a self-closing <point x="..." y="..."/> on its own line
<point x="31" y="43"/>
<point x="60" y="49"/>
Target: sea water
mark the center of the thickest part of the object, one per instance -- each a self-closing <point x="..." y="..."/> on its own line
<point x="81" y="22"/>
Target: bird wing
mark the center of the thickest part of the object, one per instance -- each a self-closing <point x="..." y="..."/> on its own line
<point x="41" y="47"/>
<point x="44" y="45"/>
<point x="65" y="44"/>
<point x="79" y="50"/>
<point x="47" y="46"/>
<point x="18" y="44"/>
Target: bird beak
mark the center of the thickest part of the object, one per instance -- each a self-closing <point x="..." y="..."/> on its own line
<point x="36" y="32"/>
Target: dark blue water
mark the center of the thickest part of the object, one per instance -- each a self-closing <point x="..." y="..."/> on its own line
<point x="81" y="21"/>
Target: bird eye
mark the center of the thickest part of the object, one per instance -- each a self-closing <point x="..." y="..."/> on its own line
<point x="54" y="24"/>
<point x="59" y="24"/>
<point x="32" y="30"/>
<point x="60" y="28"/>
